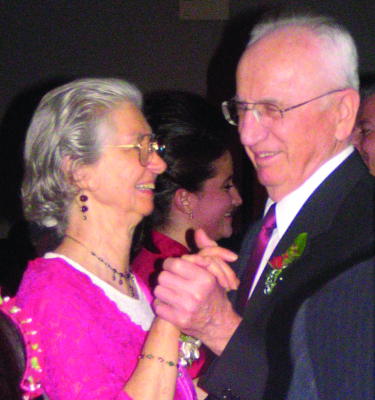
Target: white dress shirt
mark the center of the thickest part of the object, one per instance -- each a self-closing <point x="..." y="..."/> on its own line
<point x="289" y="206"/>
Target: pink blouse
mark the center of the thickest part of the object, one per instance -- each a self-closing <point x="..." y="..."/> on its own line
<point x="91" y="348"/>
<point x="148" y="262"/>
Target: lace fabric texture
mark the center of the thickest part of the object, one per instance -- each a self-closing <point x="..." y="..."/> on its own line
<point x="138" y="310"/>
<point x="90" y="347"/>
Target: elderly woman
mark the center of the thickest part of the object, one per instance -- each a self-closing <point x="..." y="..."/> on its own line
<point x="90" y="167"/>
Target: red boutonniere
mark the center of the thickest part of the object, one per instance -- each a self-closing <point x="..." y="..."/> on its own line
<point x="279" y="263"/>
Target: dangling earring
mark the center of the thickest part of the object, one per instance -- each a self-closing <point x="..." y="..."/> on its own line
<point x="84" y="208"/>
<point x="191" y="215"/>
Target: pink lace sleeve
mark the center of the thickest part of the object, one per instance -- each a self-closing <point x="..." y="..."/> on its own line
<point x="90" y="347"/>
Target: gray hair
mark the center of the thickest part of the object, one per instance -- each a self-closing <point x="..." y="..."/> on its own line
<point x="339" y="53"/>
<point x="65" y="125"/>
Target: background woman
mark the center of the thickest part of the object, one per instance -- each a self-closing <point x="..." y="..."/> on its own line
<point x="364" y="131"/>
<point x="196" y="190"/>
<point x="91" y="163"/>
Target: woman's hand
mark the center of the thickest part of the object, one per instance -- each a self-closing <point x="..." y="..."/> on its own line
<point x="214" y="259"/>
<point x="192" y="294"/>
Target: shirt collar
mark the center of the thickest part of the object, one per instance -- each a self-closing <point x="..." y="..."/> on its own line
<point x="288" y="207"/>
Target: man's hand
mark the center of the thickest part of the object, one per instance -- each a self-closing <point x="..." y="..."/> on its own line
<point x="192" y="294"/>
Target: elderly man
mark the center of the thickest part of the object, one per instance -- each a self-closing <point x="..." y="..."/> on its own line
<point x="295" y="107"/>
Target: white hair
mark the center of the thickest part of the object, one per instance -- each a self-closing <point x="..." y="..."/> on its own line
<point x="339" y="53"/>
<point x="66" y="124"/>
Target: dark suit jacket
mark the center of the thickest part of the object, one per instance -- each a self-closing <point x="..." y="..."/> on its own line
<point x="339" y="220"/>
<point x="332" y="339"/>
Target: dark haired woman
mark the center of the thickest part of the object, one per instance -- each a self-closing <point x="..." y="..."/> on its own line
<point x="196" y="190"/>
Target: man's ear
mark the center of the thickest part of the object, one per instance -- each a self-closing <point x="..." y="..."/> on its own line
<point x="184" y="201"/>
<point x="347" y="114"/>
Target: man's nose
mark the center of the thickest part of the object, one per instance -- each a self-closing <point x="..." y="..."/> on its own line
<point x="251" y="129"/>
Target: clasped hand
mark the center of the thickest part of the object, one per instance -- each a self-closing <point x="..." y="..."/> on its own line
<point x="192" y="293"/>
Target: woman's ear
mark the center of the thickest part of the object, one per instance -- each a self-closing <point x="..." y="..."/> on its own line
<point x="78" y="176"/>
<point x="184" y="201"/>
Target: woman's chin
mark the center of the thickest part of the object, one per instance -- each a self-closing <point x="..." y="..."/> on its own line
<point x="147" y="211"/>
<point x="226" y="234"/>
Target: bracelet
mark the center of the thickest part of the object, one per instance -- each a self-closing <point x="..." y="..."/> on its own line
<point x="161" y="360"/>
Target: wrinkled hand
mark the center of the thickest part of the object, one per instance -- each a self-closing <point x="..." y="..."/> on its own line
<point x="192" y="294"/>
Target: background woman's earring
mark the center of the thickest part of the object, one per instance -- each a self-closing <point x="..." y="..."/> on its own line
<point x="191" y="215"/>
<point x="84" y="208"/>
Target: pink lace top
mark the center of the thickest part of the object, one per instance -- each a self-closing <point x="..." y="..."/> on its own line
<point x="91" y="348"/>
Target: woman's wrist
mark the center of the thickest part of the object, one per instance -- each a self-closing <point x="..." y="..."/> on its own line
<point x="163" y="327"/>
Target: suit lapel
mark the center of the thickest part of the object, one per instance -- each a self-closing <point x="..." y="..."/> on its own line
<point x="316" y="218"/>
<point x="241" y="264"/>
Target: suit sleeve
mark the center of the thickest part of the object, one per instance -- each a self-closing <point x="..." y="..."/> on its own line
<point x="230" y="375"/>
<point x="333" y="338"/>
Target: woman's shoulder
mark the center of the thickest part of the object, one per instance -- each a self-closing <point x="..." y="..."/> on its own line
<point x="45" y="271"/>
<point x="51" y="279"/>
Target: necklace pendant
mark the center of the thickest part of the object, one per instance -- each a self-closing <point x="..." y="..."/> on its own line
<point x="129" y="277"/>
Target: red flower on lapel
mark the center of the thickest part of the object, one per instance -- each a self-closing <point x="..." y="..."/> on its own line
<point x="279" y="263"/>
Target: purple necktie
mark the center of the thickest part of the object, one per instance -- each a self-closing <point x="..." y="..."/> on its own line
<point x="257" y="250"/>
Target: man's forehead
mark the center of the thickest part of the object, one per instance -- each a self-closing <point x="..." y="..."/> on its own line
<point x="288" y="36"/>
<point x="287" y="43"/>
<point x="282" y="59"/>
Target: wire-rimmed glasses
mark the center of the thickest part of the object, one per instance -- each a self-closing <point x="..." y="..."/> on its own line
<point x="146" y="147"/>
<point x="234" y="110"/>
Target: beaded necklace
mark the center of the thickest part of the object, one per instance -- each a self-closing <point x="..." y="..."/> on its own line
<point x="129" y="277"/>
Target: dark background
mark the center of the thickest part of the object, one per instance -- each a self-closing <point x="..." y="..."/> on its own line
<point x="45" y="43"/>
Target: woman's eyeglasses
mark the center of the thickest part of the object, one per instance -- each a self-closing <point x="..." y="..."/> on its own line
<point x="146" y="147"/>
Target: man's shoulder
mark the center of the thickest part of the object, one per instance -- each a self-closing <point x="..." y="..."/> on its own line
<point x="339" y="322"/>
<point x="355" y="282"/>
<point x="343" y="203"/>
<point x="351" y="178"/>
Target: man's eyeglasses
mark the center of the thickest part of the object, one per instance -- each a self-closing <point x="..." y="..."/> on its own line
<point x="146" y="147"/>
<point x="234" y="111"/>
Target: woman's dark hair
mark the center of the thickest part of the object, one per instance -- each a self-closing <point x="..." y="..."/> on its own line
<point x="195" y="134"/>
